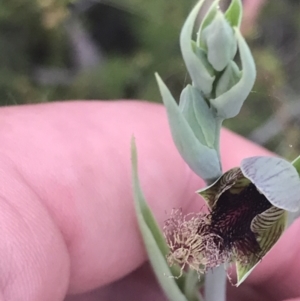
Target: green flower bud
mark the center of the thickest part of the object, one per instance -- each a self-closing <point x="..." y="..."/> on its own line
<point x="229" y="104"/>
<point x="201" y="77"/>
<point x="220" y="42"/>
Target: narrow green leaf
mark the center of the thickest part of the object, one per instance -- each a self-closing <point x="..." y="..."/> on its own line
<point x="234" y="13"/>
<point x="292" y="216"/>
<point x="229" y="104"/>
<point x="153" y="239"/>
<point x="296" y="164"/>
<point x="198" y="73"/>
<point x="204" y="161"/>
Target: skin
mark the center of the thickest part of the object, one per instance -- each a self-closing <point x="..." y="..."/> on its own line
<point x="67" y="219"/>
<point x="251" y="12"/>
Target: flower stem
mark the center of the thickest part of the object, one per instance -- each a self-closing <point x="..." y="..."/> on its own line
<point x="192" y="282"/>
<point x="215" y="279"/>
<point x="219" y="122"/>
<point x="215" y="284"/>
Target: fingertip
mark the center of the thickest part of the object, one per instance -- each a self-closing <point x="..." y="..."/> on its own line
<point x="82" y="174"/>
<point x="78" y="163"/>
<point x="34" y="259"/>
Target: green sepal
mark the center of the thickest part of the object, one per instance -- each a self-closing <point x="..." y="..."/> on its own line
<point x="220" y="42"/>
<point x="199" y="115"/>
<point x="154" y="240"/>
<point x="268" y="227"/>
<point x="201" y="54"/>
<point x="199" y="74"/>
<point x="204" y="161"/>
<point x="228" y="79"/>
<point x="229" y="104"/>
<point x="208" y="18"/>
<point x="234" y="13"/>
<point x="226" y="181"/>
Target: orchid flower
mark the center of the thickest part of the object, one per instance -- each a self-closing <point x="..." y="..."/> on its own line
<point x="248" y="206"/>
<point x="248" y="209"/>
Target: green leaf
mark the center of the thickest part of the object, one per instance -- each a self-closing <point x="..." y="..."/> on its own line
<point x="153" y="239"/>
<point x="198" y="73"/>
<point x="199" y="115"/>
<point x="228" y="79"/>
<point x="296" y="164"/>
<point x="229" y="104"/>
<point x="292" y="216"/>
<point x="204" y="161"/>
<point x="234" y="13"/>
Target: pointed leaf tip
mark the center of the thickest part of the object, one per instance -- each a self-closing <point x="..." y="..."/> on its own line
<point x="296" y="164"/>
<point x="234" y="13"/>
<point x="153" y="238"/>
<point x="199" y="74"/>
<point x="133" y="150"/>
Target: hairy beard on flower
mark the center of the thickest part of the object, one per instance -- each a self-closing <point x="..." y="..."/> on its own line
<point x="191" y="242"/>
<point x="225" y="234"/>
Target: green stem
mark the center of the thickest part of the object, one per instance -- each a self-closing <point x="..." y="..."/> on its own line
<point x="215" y="280"/>
<point x="215" y="284"/>
<point x="192" y="286"/>
<point x="219" y="122"/>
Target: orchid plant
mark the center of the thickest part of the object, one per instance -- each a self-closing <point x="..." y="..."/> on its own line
<point x="249" y="206"/>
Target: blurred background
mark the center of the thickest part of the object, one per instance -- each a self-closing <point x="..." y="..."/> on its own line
<point x="109" y="49"/>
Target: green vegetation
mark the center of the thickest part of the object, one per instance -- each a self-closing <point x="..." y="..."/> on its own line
<point x="38" y="60"/>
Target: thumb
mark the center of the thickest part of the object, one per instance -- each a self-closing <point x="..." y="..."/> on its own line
<point x="66" y="211"/>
